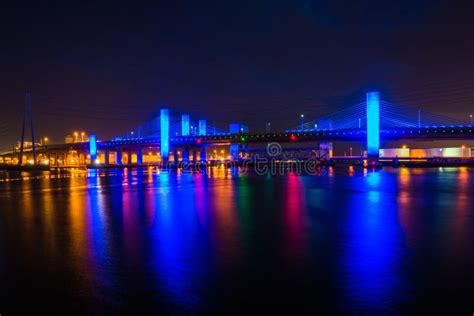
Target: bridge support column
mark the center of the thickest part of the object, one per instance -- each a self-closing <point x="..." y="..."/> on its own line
<point x="203" y="154"/>
<point x="139" y="157"/>
<point x="202" y="127"/>
<point x="234" y="152"/>
<point x="118" y="157"/>
<point x="106" y="157"/>
<point x="373" y="126"/>
<point x="175" y="156"/>
<point x="164" y="133"/>
<point x="185" y="125"/>
<point x="186" y="155"/>
<point x="93" y="148"/>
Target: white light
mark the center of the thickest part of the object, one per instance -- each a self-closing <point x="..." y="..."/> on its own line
<point x="46" y="162"/>
<point x="97" y="161"/>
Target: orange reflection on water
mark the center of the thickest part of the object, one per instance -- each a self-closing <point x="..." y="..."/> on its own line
<point x="80" y="231"/>
<point x="406" y="208"/>
<point x="460" y="228"/>
<point x="225" y="226"/>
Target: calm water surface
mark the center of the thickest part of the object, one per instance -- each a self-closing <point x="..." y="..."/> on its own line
<point x="346" y="241"/>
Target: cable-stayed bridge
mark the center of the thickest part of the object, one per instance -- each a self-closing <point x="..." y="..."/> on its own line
<point x="392" y="116"/>
<point x="182" y="138"/>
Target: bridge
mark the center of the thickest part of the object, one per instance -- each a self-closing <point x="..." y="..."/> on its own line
<point x="171" y="139"/>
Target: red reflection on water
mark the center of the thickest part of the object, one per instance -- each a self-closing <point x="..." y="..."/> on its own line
<point x="130" y="214"/>
<point x="294" y="218"/>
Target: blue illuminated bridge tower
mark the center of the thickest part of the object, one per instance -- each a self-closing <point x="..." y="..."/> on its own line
<point x="373" y="126"/>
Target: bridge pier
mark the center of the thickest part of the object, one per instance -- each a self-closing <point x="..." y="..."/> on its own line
<point x="234" y="152"/>
<point x="139" y="157"/>
<point x="164" y="135"/>
<point x="175" y="156"/>
<point x="185" y="155"/>
<point x="373" y="126"/>
<point x="93" y="148"/>
<point x="106" y="158"/>
<point x="203" y="154"/>
<point x="118" y="157"/>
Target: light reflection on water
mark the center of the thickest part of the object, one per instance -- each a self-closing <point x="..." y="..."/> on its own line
<point x="347" y="240"/>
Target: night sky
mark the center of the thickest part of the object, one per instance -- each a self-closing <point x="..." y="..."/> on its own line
<point x="106" y="68"/>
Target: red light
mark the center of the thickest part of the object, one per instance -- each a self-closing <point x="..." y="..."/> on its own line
<point x="293" y="137"/>
<point x="198" y="140"/>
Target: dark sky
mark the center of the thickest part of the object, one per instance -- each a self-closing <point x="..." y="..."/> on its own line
<point x="105" y="68"/>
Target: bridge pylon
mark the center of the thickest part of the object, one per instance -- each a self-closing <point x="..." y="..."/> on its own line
<point x="373" y="125"/>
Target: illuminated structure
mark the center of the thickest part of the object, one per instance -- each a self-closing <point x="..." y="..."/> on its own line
<point x="234" y="128"/>
<point x="164" y="134"/>
<point x="93" y="148"/>
<point x="185" y="125"/>
<point x="373" y="124"/>
<point x="202" y="127"/>
<point x="384" y="120"/>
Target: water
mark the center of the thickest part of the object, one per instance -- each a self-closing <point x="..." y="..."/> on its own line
<point x="346" y="241"/>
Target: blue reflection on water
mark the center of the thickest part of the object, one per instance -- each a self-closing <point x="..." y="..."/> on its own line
<point x="176" y="255"/>
<point x="100" y="246"/>
<point x="372" y="248"/>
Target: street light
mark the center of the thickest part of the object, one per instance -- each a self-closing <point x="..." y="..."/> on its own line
<point x="302" y="121"/>
<point x="82" y="136"/>
<point x="75" y="136"/>
<point x="45" y="140"/>
<point x="470" y="116"/>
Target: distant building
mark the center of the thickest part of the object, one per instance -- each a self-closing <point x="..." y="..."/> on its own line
<point x="76" y="138"/>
